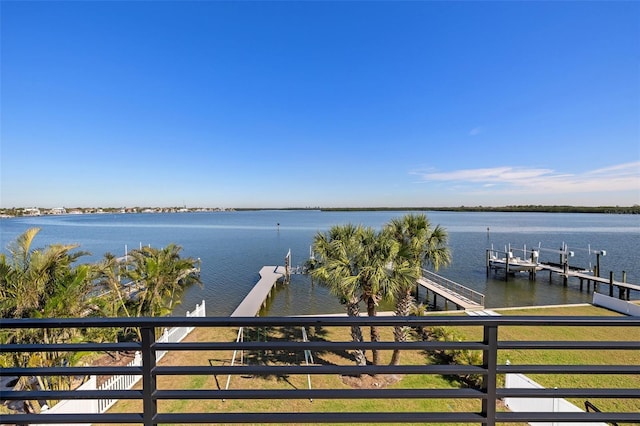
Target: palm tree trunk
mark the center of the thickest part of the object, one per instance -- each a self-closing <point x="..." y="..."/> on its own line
<point x="400" y="332"/>
<point x="356" y="334"/>
<point x="375" y="332"/>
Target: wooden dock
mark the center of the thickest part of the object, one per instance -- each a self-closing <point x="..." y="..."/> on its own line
<point x="251" y="304"/>
<point x="624" y="288"/>
<point x="506" y="261"/>
<point x="463" y="297"/>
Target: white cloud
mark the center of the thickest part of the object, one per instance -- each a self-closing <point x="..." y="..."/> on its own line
<point x="525" y="180"/>
<point x="626" y="169"/>
<point x="475" y="131"/>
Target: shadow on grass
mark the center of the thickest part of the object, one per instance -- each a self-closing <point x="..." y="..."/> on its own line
<point x="283" y="357"/>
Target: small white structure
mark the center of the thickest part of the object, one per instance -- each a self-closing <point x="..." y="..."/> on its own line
<point x="617" y="305"/>
<point x="554" y="405"/>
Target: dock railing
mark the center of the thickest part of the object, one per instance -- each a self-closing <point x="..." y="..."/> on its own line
<point x="159" y="384"/>
<point x="459" y="289"/>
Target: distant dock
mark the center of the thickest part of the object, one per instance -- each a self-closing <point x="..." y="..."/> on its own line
<point x="624" y="288"/>
<point x="451" y="292"/>
<point x="269" y="276"/>
<point x="251" y="304"/>
<point x="530" y="263"/>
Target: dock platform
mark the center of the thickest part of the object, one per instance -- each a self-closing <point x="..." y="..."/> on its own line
<point x="623" y="287"/>
<point x="530" y="262"/>
<point x="251" y="304"/>
<point x="463" y="297"/>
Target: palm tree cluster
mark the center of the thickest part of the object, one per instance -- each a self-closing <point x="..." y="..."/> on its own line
<point x="360" y="264"/>
<point x="41" y="283"/>
<point x="147" y="281"/>
<point x="48" y="283"/>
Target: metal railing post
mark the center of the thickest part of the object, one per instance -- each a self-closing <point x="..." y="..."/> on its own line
<point x="149" y="404"/>
<point x="489" y="380"/>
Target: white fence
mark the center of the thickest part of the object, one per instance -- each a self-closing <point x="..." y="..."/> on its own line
<point x="116" y="383"/>
<point x="556" y="405"/>
<point x="124" y="382"/>
<point x="616" y="305"/>
<point x="176" y="334"/>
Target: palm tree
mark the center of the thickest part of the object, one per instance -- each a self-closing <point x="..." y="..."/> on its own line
<point x="43" y="283"/>
<point x="359" y="264"/>
<point x="161" y="276"/>
<point x="382" y="271"/>
<point x="109" y="271"/>
<point x="420" y="245"/>
<point x="338" y="255"/>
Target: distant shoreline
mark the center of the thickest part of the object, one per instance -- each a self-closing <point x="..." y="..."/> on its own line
<point x="27" y="212"/>
<point x="507" y="209"/>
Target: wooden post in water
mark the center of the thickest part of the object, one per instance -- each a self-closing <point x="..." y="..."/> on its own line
<point x="488" y="262"/>
<point x="627" y="290"/>
<point x="621" y="291"/>
<point x="610" y="283"/>
<point x="506" y="264"/>
<point x="534" y="260"/>
<point x="564" y="260"/>
<point x="287" y="266"/>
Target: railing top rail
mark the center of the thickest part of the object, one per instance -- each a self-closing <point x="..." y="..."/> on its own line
<point x="524" y="320"/>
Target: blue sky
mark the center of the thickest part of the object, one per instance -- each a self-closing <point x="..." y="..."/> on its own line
<point x="330" y="104"/>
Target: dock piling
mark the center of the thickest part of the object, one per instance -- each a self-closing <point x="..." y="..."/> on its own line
<point x="610" y="283"/>
<point x="532" y="264"/>
<point x="488" y="253"/>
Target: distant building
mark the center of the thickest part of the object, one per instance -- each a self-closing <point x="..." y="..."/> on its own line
<point x="32" y="211"/>
<point x="58" y="210"/>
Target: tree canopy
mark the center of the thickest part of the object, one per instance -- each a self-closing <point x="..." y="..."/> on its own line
<point x="360" y="264"/>
<point x="50" y="283"/>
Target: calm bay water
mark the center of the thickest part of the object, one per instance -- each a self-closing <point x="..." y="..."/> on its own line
<point x="233" y="246"/>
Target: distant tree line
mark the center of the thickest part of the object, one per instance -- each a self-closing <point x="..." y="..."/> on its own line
<point x="635" y="209"/>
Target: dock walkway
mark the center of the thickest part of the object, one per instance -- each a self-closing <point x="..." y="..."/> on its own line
<point x="451" y="291"/>
<point x="530" y="262"/>
<point x="251" y="304"/>
<point x="589" y="277"/>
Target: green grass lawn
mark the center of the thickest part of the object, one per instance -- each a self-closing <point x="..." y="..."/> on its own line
<point x="410" y="381"/>
<point x="588" y="357"/>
